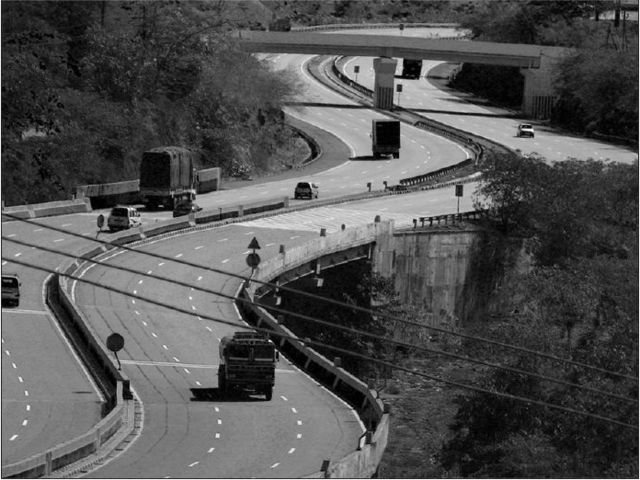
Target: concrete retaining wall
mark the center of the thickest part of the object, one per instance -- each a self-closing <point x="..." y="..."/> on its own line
<point x="48" y="209"/>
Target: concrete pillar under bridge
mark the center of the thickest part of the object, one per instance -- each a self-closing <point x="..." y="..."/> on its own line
<point x="538" y="97"/>
<point x="385" y="70"/>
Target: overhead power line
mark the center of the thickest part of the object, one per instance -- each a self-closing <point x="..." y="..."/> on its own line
<point x="329" y="347"/>
<point x="328" y="300"/>
<point x="333" y="325"/>
<point x="340" y="327"/>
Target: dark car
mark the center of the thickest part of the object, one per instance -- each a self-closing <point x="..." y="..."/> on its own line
<point x="306" y="190"/>
<point x="185" y="208"/>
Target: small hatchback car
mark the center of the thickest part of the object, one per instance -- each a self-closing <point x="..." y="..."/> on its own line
<point x="185" y="208"/>
<point x="122" y="218"/>
<point x="306" y="190"/>
<point x="525" y="130"/>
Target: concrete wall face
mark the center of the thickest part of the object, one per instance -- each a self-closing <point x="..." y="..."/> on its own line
<point x="539" y="95"/>
<point x="432" y="270"/>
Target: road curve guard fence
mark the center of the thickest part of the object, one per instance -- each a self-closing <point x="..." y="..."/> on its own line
<point x="364" y="460"/>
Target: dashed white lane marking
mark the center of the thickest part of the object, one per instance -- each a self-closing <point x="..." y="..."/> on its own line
<point x="199" y="278"/>
<point x="160" y="264"/>
<point x="198" y="383"/>
<point x="176" y="359"/>
<point x="18" y="254"/>
<point x="219" y="422"/>
<point x="294" y="237"/>
<point x="20" y="379"/>
<point x="270" y="244"/>
<point x="165" y="347"/>
<point x="137" y="312"/>
<point x="28" y="408"/>
<point x="284" y="398"/>
<point x="154" y="335"/>
<point x="217" y="435"/>
<point x="178" y="255"/>
<point x="216" y="409"/>
<point x="144" y="323"/>
<point x="14" y="365"/>
<point x="13" y="438"/>
<point x="208" y="328"/>
<point x="249" y="233"/>
<point x="4" y="263"/>
<point x="133" y="301"/>
<point x="8" y="353"/>
<point x="135" y="292"/>
<point x="275" y="465"/>
<point x="211" y="450"/>
<point x="299" y="435"/>
<point x="38" y="229"/>
<point x="149" y="272"/>
<point x="199" y="247"/>
<point x="26" y="393"/>
<point x="225" y="260"/>
<point x="58" y="240"/>
<point x="140" y="282"/>
<point x="67" y="224"/>
<point x="24" y="422"/>
<point x="291" y="451"/>
<point x="223" y="240"/>
<point x="11" y="235"/>
<point x="193" y="307"/>
<point x="193" y="464"/>
<point x="299" y="422"/>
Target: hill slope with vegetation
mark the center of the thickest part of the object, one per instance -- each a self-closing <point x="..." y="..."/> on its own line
<point x="88" y="86"/>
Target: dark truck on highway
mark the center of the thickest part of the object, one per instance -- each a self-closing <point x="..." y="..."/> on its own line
<point x="167" y="176"/>
<point x="385" y="138"/>
<point x="248" y="362"/>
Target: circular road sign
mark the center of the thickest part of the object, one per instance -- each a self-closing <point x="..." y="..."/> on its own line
<point x="115" y="342"/>
<point x="253" y="259"/>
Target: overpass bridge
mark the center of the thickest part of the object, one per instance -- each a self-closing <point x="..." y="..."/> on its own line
<point x="534" y="61"/>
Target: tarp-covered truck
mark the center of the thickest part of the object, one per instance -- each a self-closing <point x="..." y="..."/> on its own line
<point x="247" y="361"/>
<point x="167" y="176"/>
<point x="385" y="138"/>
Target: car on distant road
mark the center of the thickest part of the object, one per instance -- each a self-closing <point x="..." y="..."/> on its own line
<point x="185" y="208"/>
<point x="525" y="130"/>
<point x="122" y="217"/>
<point x="306" y="190"/>
<point x="10" y="289"/>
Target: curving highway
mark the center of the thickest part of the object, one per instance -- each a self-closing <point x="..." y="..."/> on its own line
<point x="171" y="358"/>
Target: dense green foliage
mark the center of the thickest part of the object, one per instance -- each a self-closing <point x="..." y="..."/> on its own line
<point x="597" y="85"/>
<point x="88" y="86"/>
<point x="579" y="301"/>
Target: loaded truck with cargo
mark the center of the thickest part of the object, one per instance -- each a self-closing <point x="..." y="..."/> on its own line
<point x="385" y="138"/>
<point x="167" y="176"/>
<point x="248" y="362"/>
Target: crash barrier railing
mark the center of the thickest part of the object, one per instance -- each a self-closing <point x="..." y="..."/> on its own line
<point x="363" y="26"/>
<point x="364" y="460"/>
<point x="113" y="384"/>
<point x="450" y="219"/>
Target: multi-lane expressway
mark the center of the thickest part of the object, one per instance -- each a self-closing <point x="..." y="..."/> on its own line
<point x="171" y="358"/>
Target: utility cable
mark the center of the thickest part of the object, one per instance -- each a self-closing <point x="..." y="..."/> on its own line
<point x="336" y="326"/>
<point x="330" y="347"/>
<point x="329" y="301"/>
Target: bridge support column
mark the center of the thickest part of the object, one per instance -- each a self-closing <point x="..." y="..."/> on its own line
<point x="385" y="70"/>
<point x="539" y="95"/>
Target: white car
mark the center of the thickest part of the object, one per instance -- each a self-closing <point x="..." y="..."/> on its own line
<point x="525" y="130"/>
<point x="122" y="218"/>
